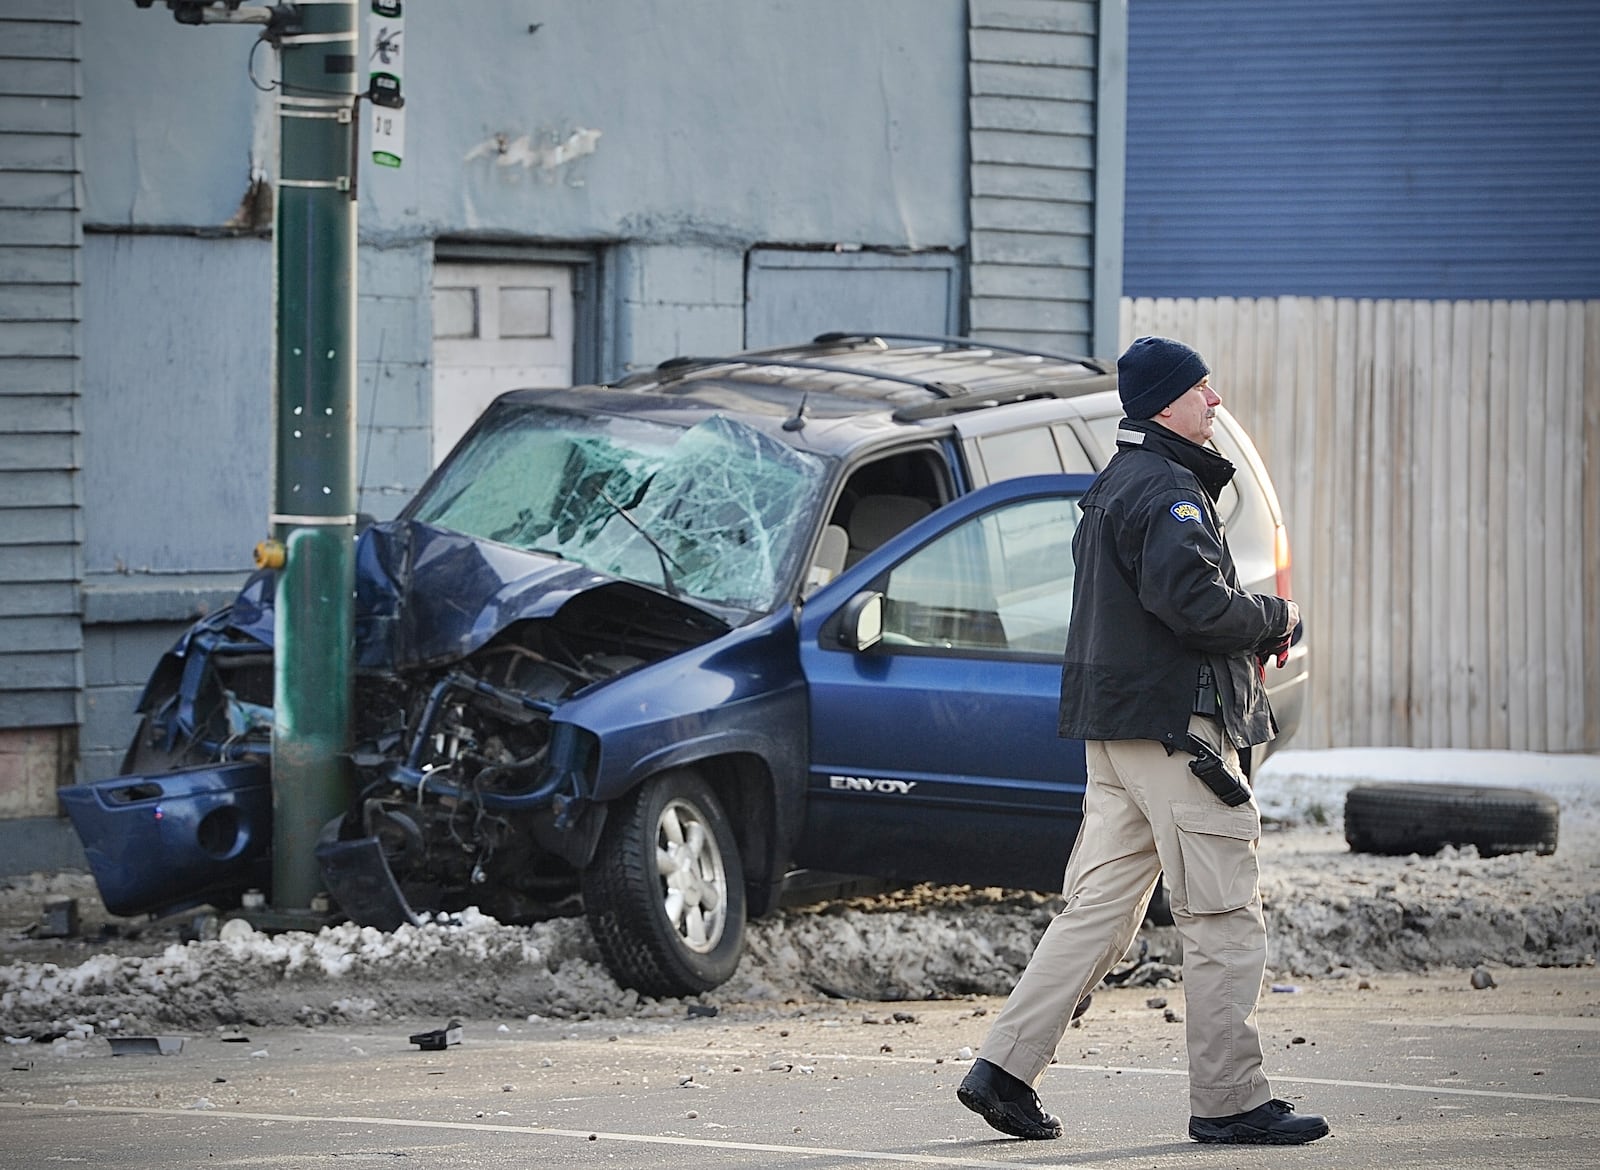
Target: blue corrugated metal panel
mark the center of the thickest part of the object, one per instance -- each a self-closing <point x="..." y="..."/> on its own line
<point x="1440" y="149"/>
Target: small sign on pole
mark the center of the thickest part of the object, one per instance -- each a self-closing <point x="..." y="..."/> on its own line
<point x="383" y="85"/>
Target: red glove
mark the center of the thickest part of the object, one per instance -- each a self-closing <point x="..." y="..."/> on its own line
<point x="1279" y="649"/>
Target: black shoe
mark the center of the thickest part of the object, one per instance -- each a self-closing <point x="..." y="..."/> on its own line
<point x="1006" y="1102"/>
<point x="1272" y="1124"/>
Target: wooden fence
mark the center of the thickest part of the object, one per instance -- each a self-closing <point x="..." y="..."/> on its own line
<point x="1439" y="468"/>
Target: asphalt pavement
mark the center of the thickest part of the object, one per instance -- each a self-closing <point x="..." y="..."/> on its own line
<point x="1411" y="1071"/>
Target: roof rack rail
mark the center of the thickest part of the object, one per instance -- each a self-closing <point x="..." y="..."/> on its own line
<point x="679" y="366"/>
<point x="961" y="343"/>
<point x="944" y="407"/>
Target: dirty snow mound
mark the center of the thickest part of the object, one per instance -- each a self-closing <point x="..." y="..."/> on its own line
<point x="1329" y="911"/>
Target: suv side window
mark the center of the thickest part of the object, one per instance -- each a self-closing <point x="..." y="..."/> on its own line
<point x="1018" y="453"/>
<point x="1001" y="581"/>
<point x="1036" y="450"/>
<point x="887" y="495"/>
<point x="1073" y="457"/>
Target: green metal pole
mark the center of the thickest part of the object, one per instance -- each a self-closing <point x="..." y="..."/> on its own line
<point x="314" y="493"/>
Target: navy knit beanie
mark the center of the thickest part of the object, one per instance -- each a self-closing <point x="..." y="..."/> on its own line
<point x="1155" y="371"/>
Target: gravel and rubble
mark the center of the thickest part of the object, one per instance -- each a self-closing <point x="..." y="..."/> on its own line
<point x="1332" y="914"/>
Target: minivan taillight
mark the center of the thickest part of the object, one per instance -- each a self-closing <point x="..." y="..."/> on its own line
<point x="1280" y="558"/>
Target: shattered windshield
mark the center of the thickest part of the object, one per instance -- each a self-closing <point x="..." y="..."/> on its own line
<point x="717" y="511"/>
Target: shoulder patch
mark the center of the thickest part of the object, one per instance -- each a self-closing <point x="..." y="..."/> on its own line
<point x="1184" y="510"/>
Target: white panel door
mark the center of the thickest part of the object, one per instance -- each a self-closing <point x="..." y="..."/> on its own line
<point x="496" y="327"/>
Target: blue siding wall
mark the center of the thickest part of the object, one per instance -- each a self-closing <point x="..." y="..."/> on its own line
<point x="41" y="659"/>
<point x="1439" y="149"/>
<point x="1035" y="81"/>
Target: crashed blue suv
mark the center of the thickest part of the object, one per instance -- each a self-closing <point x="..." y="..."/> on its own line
<point x="678" y="643"/>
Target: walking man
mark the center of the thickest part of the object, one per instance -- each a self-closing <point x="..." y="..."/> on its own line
<point x="1164" y="661"/>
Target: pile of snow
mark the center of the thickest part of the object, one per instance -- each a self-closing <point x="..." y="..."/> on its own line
<point x="1331" y="912"/>
<point x="457" y="964"/>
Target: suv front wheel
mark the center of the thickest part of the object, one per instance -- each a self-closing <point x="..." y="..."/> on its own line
<point x="665" y="893"/>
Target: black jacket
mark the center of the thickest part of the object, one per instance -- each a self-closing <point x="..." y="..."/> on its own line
<point x="1156" y="596"/>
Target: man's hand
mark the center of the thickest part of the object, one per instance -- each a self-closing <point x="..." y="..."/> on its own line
<point x="1279" y="650"/>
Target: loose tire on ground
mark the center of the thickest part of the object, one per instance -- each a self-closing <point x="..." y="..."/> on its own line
<point x="1397" y="819"/>
<point x="664" y="895"/>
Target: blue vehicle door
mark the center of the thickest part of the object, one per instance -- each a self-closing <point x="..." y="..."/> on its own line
<point x="934" y="754"/>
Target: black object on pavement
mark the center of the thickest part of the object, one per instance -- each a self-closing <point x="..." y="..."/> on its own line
<point x="438" y="1039"/>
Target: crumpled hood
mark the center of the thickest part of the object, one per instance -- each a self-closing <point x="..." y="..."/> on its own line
<point x="426" y="595"/>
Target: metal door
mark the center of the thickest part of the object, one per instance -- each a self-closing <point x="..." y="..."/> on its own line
<point x="934" y="753"/>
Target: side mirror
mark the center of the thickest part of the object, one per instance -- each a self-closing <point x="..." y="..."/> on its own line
<point x="861" y="621"/>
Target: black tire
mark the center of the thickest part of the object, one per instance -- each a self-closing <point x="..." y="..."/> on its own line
<point x="673" y="926"/>
<point x="1396" y="819"/>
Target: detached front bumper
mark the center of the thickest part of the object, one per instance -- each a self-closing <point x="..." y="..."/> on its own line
<point x="164" y="843"/>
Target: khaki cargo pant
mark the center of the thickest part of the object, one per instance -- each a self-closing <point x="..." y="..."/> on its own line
<point x="1144" y="813"/>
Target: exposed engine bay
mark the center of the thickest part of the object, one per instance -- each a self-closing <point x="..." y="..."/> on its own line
<point x="453" y="767"/>
<point x="452" y="763"/>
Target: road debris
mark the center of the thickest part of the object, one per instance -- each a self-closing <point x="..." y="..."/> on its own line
<point x="59" y="920"/>
<point x="145" y="1045"/>
<point x="439" y="1039"/>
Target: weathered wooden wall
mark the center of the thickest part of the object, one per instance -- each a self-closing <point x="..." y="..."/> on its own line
<point x="1439" y="467"/>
